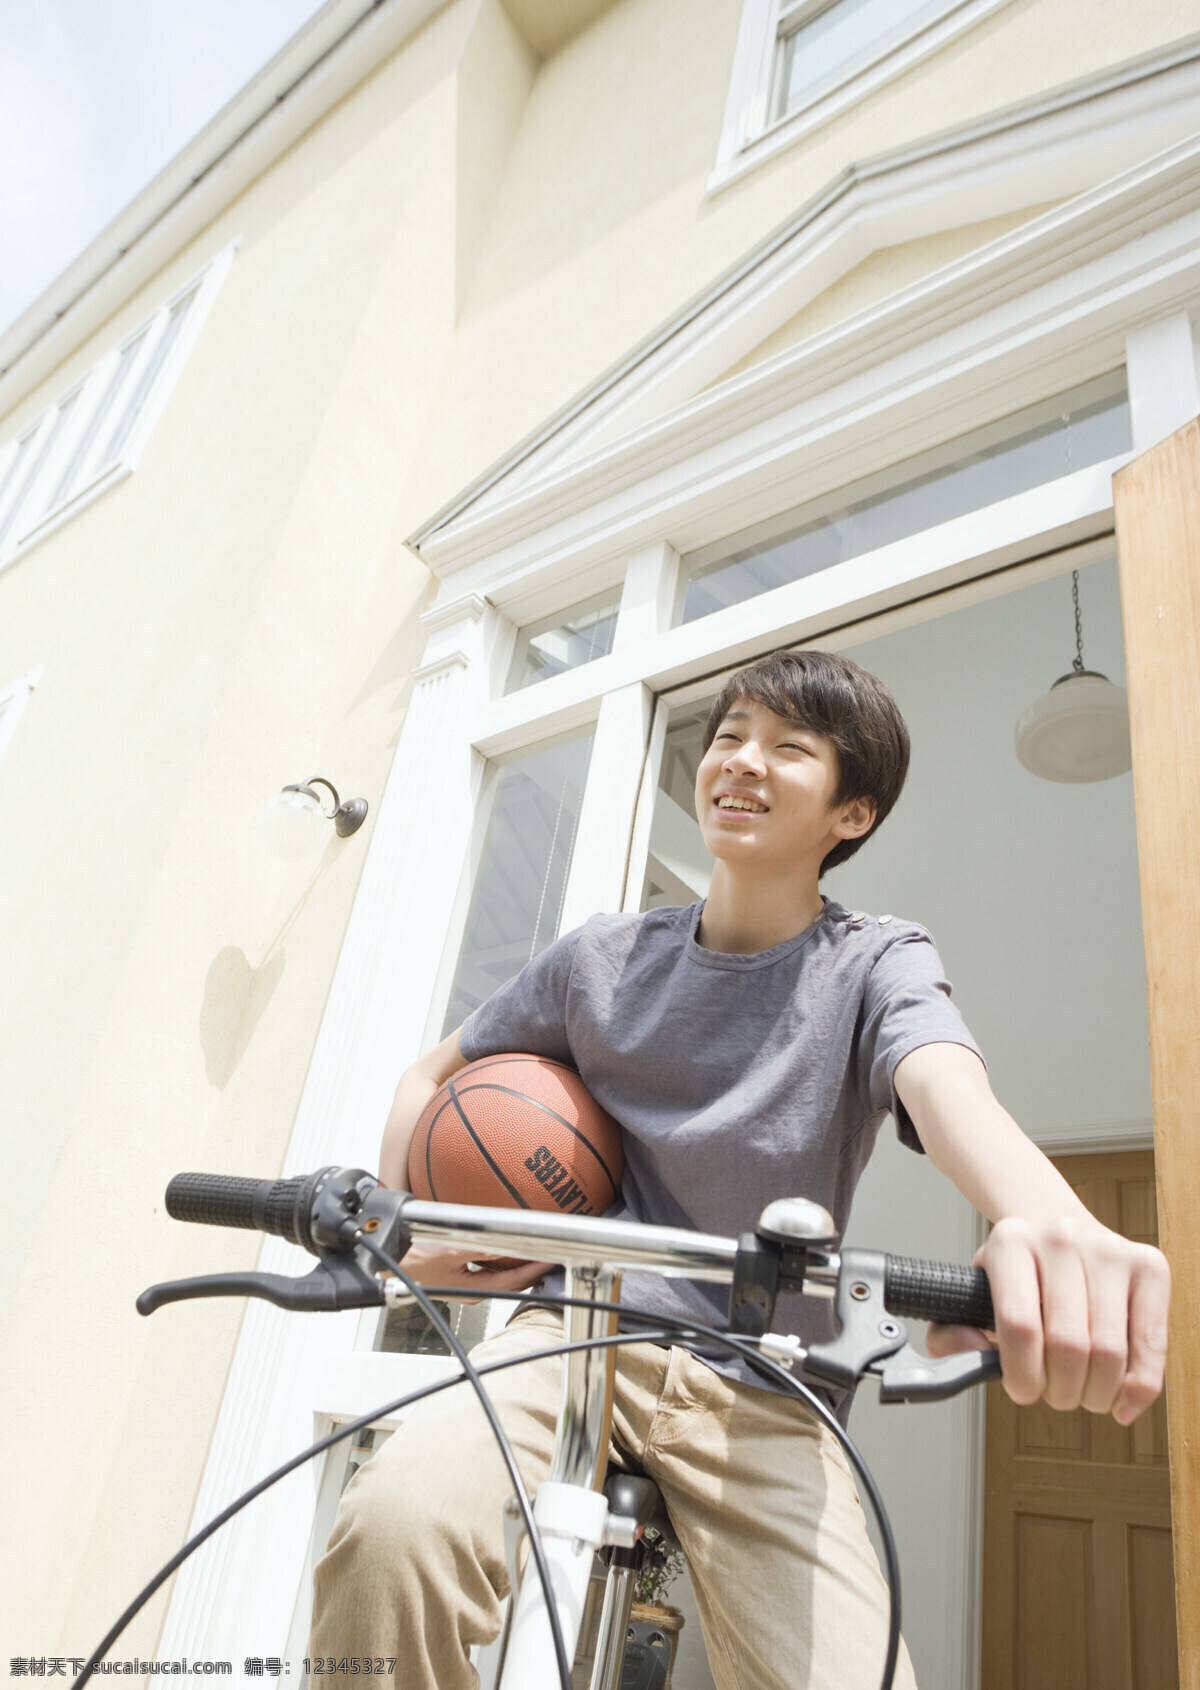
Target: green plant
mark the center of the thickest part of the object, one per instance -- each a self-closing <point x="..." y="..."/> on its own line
<point x="662" y="1565"/>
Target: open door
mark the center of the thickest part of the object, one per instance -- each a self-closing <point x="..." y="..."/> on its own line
<point x="1157" y="504"/>
<point x="1078" y="1589"/>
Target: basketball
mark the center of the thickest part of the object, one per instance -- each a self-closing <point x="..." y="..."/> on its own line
<point x="517" y="1131"/>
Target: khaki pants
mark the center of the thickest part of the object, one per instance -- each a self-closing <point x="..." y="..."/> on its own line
<point x="788" y="1587"/>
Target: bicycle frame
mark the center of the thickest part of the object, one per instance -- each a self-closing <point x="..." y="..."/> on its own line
<point x="350" y="1222"/>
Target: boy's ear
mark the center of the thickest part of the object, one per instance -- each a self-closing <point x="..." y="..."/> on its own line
<point x="857" y="818"/>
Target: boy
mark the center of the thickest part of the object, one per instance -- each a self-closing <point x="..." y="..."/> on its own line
<point x="750" y="1047"/>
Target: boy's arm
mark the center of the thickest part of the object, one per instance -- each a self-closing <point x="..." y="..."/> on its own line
<point x="417" y="1085"/>
<point x="438" y="1264"/>
<point x="1081" y="1313"/>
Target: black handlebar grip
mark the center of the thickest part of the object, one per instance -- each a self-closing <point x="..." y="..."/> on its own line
<point x="267" y="1205"/>
<point x="941" y="1291"/>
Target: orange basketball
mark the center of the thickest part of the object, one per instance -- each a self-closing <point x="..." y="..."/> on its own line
<point x="517" y="1131"/>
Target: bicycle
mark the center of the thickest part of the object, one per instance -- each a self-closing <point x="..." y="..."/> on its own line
<point x="360" y="1230"/>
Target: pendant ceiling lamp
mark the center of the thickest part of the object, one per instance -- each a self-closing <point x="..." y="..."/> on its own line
<point x="1080" y="730"/>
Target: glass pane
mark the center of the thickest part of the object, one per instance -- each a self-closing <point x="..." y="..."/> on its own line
<point x="1025" y="450"/>
<point x="146" y="380"/>
<point x="17" y="464"/>
<point x="21" y="509"/>
<point x="96" y="422"/>
<point x="565" y="641"/>
<point x="834" y="36"/>
<point x="678" y="868"/>
<point x="408" y="1331"/>
<point x="522" y="877"/>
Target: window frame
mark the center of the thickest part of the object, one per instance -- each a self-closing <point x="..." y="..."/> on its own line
<point x="527" y="632"/>
<point x="751" y="134"/>
<point x="41" y="501"/>
<point x="491" y="774"/>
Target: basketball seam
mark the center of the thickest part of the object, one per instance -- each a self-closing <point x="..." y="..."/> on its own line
<point x="482" y="1149"/>
<point x="429" y="1153"/>
<point x="494" y="1085"/>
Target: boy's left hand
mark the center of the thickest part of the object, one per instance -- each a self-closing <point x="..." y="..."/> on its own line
<point x="1081" y="1316"/>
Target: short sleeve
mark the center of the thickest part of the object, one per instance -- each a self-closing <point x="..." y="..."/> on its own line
<point x="529" y="1012"/>
<point x="906" y="1004"/>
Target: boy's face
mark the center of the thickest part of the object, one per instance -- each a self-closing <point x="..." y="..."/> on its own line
<point x="763" y="791"/>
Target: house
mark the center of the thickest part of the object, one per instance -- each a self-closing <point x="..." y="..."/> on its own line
<point x="479" y="387"/>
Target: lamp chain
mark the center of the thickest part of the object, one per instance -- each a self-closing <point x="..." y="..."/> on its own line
<point x="1078" y="663"/>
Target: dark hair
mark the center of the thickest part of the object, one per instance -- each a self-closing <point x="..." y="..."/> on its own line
<point x="836" y="697"/>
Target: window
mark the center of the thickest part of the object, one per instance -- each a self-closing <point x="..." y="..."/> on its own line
<point x="1023" y="451"/>
<point x="564" y="641"/>
<point x="678" y="867"/>
<point x="799" y="63"/>
<point x="519" y="887"/>
<point x="92" y="435"/>
<point x="815" y="40"/>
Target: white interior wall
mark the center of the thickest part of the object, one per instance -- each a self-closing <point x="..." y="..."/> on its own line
<point x="1030" y="887"/>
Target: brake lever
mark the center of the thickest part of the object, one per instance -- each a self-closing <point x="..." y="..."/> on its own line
<point x="870" y="1340"/>
<point x="349" y="1203"/>
<point x="339" y="1282"/>
<point x="908" y="1376"/>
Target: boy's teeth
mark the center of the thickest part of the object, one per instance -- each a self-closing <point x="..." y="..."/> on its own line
<point x="739" y="804"/>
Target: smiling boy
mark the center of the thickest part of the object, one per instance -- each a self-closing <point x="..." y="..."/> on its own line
<point x="750" y="1047"/>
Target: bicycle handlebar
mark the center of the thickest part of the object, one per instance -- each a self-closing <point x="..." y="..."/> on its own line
<point x="913" y="1288"/>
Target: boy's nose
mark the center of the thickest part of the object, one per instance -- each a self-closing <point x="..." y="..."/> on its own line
<point x="747" y="756"/>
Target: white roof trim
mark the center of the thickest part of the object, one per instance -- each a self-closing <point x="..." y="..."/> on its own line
<point x="322" y="62"/>
<point x="1032" y="314"/>
<point x="1055" y="145"/>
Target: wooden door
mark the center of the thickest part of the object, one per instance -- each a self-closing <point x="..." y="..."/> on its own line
<point x="1156" y="499"/>
<point x="1077" y="1575"/>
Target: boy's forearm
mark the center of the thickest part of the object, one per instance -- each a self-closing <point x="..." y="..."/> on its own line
<point x="974" y="1141"/>
<point x="1080" y="1312"/>
<point x="417" y="1085"/>
<point x="412" y="1094"/>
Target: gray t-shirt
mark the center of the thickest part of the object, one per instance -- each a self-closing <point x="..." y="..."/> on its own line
<point x="736" y="1079"/>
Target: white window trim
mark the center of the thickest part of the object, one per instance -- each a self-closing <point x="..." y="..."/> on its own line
<point x="96" y="475"/>
<point x="13" y="699"/>
<point x="1035" y="313"/>
<point x="749" y="134"/>
<point x="1095" y="140"/>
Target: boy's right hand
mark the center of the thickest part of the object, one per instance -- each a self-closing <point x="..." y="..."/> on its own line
<point x="445" y="1264"/>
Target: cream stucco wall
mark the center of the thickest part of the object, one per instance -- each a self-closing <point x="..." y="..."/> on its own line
<point x="238" y="614"/>
<point x="604" y="224"/>
<point x="448" y="255"/>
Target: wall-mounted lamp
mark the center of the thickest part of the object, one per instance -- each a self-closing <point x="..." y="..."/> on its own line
<point x="292" y="824"/>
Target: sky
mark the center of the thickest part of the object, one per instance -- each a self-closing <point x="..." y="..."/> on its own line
<point x="96" y="96"/>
